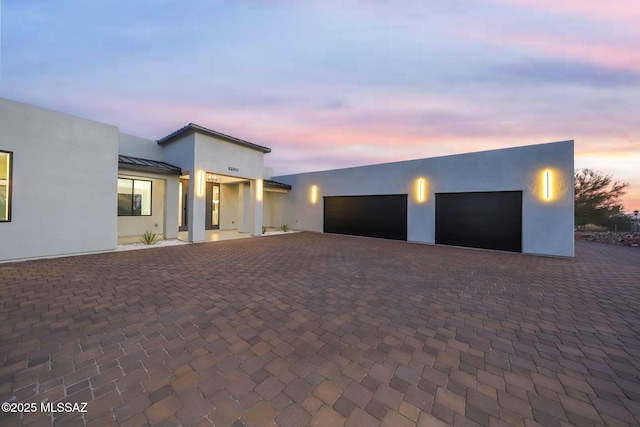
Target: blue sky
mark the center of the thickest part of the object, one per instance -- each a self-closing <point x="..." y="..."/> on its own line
<point x="329" y="84"/>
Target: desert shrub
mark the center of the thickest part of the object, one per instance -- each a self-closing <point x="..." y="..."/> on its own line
<point x="149" y="238"/>
<point x="593" y="227"/>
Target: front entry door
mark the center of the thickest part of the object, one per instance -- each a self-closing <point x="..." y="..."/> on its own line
<point x="184" y="206"/>
<point x="212" y="206"/>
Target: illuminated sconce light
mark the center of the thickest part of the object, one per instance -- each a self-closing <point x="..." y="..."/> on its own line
<point x="548" y="184"/>
<point x="314" y="194"/>
<point x="200" y="182"/>
<point x="421" y="190"/>
<point x="258" y="189"/>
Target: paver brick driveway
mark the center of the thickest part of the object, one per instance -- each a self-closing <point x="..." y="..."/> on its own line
<point x="312" y="329"/>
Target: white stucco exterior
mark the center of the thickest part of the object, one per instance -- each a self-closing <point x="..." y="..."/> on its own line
<point x="197" y="153"/>
<point x="164" y="214"/>
<point x="229" y="199"/>
<point x="65" y="170"/>
<point x="274" y="203"/>
<point x="164" y="218"/>
<point x="135" y="146"/>
<point x="64" y="183"/>
<point x="547" y="224"/>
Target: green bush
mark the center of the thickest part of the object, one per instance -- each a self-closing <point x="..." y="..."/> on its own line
<point x="149" y="238"/>
<point x="284" y="228"/>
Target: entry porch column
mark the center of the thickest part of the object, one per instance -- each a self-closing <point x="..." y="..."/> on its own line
<point x="196" y="211"/>
<point x="255" y="206"/>
<point x="171" y="203"/>
<point x="250" y="207"/>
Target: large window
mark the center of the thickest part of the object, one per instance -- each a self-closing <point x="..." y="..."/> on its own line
<point x="5" y="186"/>
<point x="134" y="197"/>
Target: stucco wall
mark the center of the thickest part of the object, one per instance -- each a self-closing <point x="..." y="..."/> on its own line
<point x="195" y="153"/>
<point x="222" y="157"/>
<point x="180" y="152"/>
<point x="64" y="183"/>
<point x="547" y="225"/>
<point x="213" y="155"/>
<point x="273" y="212"/>
<point x="135" y="146"/>
<point x="228" y="206"/>
<point x="137" y="225"/>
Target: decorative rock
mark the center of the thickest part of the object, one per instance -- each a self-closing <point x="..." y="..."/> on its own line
<point x="609" y="237"/>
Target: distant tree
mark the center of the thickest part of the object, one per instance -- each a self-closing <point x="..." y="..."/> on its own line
<point x="597" y="197"/>
<point x="620" y="222"/>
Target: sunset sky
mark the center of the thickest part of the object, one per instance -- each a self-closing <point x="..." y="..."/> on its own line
<point x="329" y="84"/>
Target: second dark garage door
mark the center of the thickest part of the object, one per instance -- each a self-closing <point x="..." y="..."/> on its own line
<point x="488" y="220"/>
<point x="383" y="216"/>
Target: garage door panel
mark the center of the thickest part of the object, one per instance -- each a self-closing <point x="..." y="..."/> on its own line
<point x="488" y="220"/>
<point x="383" y="216"/>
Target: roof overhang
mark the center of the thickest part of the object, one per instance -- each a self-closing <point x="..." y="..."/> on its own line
<point x="193" y="128"/>
<point x="268" y="183"/>
<point x="146" y="165"/>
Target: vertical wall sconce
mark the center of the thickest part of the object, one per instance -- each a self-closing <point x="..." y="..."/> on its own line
<point x="200" y="184"/>
<point x="259" y="189"/>
<point x="547" y="185"/>
<point x="421" y="190"/>
<point x="314" y="194"/>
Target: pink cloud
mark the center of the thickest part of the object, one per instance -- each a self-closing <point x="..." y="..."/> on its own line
<point x="602" y="54"/>
<point x="308" y="139"/>
<point x="620" y="15"/>
<point x="624" y="12"/>
<point x="631" y="201"/>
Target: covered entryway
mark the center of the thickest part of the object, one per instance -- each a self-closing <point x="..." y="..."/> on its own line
<point x="383" y="216"/>
<point x="222" y="208"/>
<point x="487" y="220"/>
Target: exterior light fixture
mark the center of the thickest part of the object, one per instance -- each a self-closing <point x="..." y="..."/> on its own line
<point x="200" y="182"/>
<point x="547" y="185"/>
<point x="421" y="190"/>
<point x="314" y="194"/>
<point x="258" y="189"/>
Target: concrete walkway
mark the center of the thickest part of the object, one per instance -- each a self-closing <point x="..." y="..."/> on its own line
<point x="323" y="330"/>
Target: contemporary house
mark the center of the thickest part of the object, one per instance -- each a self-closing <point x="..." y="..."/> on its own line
<point x="70" y="186"/>
<point x="515" y="199"/>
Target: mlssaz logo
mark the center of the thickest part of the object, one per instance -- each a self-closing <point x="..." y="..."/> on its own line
<point x="63" y="407"/>
<point x="232" y="169"/>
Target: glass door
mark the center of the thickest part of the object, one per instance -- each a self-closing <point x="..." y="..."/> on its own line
<point x="183" y="208"/>
<point x="212" y="206"/>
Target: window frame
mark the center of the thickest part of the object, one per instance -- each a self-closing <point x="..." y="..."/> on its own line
<point x="133" y="180"/>
<point x="9" y="185"/>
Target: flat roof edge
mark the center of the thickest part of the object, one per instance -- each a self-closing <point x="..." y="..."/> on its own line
<point x="567" y="141"/>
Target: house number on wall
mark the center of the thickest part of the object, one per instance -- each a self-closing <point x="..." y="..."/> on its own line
<point x="232" y="169"/>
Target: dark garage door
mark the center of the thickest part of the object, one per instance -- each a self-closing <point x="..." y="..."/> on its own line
<point x="491" y="220"/>
<point x="382" y="216"/>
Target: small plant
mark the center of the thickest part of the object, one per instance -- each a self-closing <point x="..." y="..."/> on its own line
<point x="149" y="238"/>
<point x="284" y="228"/>
<point x="264" y="229"/>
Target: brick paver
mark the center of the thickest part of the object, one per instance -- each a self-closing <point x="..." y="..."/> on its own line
<point x="312" y="329"/>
